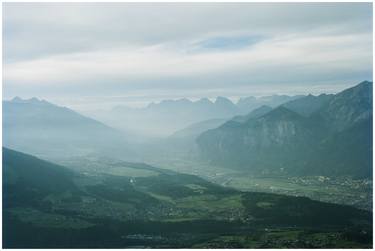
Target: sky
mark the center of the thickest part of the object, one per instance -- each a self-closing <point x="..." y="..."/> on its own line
<point x="97" y="55"/>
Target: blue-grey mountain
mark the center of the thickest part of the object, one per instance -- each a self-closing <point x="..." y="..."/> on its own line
<point x="170" y="116"/>
<point x="323" y="135"/>
<point x="45" y="129"/>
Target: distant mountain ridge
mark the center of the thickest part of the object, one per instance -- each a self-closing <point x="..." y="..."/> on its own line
<point x="304" y="137"/>
<point x="40" y="127"/>
<point x="170" y="116"/>
<point x="249" y="103"/>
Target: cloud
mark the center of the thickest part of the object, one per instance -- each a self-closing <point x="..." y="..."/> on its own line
<point x="38" y="29"/>
<point x="317" y="54"/>
<point x="100" y="48"/>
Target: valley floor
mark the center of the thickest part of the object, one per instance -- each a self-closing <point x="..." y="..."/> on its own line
<point x="339" y="190"/>
<point x="106" y="203"/>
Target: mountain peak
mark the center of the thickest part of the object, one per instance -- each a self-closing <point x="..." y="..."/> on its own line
<point x="204" y="101"/>
<point x="21" y="100"/>
<point x="176" y="101"/>
<point x="366" y="82"/>
<point x="362" y="89"/>
<point x="17" y="99"/>
<point x="246" y="100"/>
<point x="223" y="100"/>
<point x="34" y="100"/>
<point x="364" y="85"/>
<point x="349" y="107"/>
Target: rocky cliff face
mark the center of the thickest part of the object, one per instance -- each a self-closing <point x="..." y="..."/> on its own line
<point x="286" y="141"/>
<point x="348" y="107"/>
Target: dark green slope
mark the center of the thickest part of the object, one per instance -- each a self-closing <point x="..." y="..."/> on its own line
<point x="27" y="179"/>
<point x="65" y="209"/>
<point x="300" y="211"/>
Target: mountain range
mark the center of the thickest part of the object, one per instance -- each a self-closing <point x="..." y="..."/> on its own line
<point x="308" y="135"/>
<point x="313" y="135"/>
<point x="94" y="199"/>
<point x="45" y="129"/>
<point x="170" y="116"/>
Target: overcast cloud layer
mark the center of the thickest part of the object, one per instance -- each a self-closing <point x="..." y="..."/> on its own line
<point x="85" y="54"/>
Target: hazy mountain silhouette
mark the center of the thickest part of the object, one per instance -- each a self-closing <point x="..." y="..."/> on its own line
<point x="249" y="103"/>
<point x="42" y="128"/>
<point x="170" y="116"/>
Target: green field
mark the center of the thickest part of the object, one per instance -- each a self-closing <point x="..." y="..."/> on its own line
<point x="342" y="190"/>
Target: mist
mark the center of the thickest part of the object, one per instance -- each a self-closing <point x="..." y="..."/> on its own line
<point x="187" y="125"/>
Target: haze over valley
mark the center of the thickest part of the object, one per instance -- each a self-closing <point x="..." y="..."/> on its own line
<point x="225" y="125"/>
